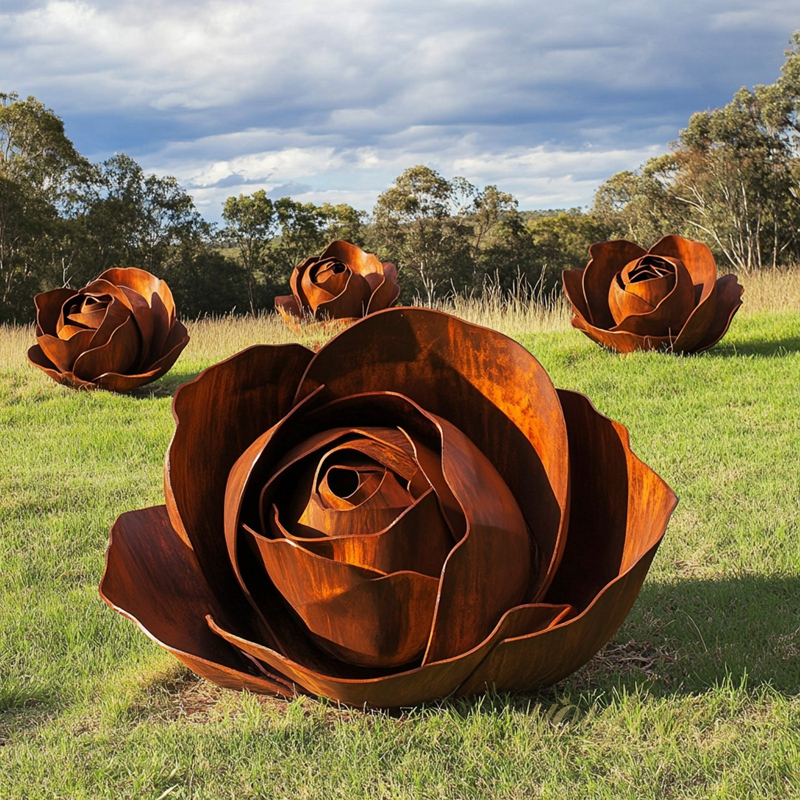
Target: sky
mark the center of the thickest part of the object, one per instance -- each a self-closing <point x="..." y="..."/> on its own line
<point x="331" y="100"/>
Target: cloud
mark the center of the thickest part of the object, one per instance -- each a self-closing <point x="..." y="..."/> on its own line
<point x="338" y="96"/>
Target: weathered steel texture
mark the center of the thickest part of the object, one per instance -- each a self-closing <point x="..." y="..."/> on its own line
<point x="343" y="283"/>
<point x="117" y="333"/>
<point x="413" y="511"/>
<point x="665" y="298"/>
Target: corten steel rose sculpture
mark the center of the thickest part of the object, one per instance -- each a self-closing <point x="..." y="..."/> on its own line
<point x="342" y="283"/>
<point x="412" y="511"/>
<point x="117" y="333"/>
<point x="667" y="297"/>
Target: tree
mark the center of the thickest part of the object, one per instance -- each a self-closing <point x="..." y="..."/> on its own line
<point x="38" y="169"/>
<point x="252" y="223"/>
<point x="421" y="223"/>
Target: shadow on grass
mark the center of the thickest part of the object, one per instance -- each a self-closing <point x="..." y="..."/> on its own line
<point x="166" y="386"/>
<point x="762" y="348"/>
<point x="683" y="639"/>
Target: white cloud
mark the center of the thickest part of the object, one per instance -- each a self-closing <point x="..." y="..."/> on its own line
<point x="544" y="99"/>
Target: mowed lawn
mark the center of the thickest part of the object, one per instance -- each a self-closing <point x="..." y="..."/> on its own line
<point x="697" y="696"/>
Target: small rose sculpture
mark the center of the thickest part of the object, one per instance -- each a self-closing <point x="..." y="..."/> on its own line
<point x="117" y="333"/>
<point x="343" y="283"/>
<point x="412" y="511"/>
<point x="666" y="298"/>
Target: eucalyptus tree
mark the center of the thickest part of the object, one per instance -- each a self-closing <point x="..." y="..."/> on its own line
<point x="39" y="170"/>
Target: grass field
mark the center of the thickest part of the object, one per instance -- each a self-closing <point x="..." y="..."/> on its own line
<point x="698" y="695"/>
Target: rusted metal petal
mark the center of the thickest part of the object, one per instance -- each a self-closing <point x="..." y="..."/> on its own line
<point x="612" y="491"/>
<point x="367" y="527"/>
<point x="665" y="298"/>
<point x="606" y="260"/>
<point x="670" y="298"/>
<point x="482" y="382"/>
<point x="153" y="578"/>
<point x="117" y="333"/>
<point x="343" y="282"/>
<point x="729" y="298"/>
<point x="360" y="615"/>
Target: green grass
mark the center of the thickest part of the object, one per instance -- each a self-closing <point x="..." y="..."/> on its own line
<point x="698" y="696"/>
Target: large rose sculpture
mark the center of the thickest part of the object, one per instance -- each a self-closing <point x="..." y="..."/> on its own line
<point x="117" y="333"/>
<point x="410" y="512"/>
<point x="343" y="283"/>
<point x="667" y="297"/>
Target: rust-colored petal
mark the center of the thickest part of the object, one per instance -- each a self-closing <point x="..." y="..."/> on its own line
<point x="573" y="288"/>
<point x="359" y="614"/>
<point x="622" y="341"/>
<point x="485" y="384"/>
<point x="700" y="263"/>
<point x="176" y="341"/>
<point x="351" y="302"/>
<point x="606" y="260"/>
<point x="217" y="416"/>
<point x="386" y="292"/>
<point x="414" y="538"/>
<point x="48" y="309"/>
<point x="37" y="357"/>
<point x="620" y="513"/>
<point x="63" y="352"/>
<point x="153" y="578"/>
<point x="289" y="308"/>
<point x="669" y="314"/>
<point x="489" y="570"/>
<point x="117" y="355"/>
<point x="417" y="685"/>
<point x="728" y="300"/>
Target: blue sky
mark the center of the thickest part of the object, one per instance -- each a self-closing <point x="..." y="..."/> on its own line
<point x="331" y="100"/>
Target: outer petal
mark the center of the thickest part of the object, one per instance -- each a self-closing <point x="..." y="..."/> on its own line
<point x="419" y="685"/>
<point x="622" y="341"/>
<point x="699" y="260"/>
<point x="120" y="353"/>
<point x="153" y="578"/>
<point x="607" y="259"/>
<point x="386" y="291"/>
<point x="48" y="309"/>
<point x="158" y="297"/>
<point x="729" y="298"/>
<point x="37" y="357"/>
<point x="217" y="416"/>
<point x="484" y="383"/>
<point x="289" y="308"/>
<point x="620" y="513"/>
<point x="63" y="352"/>
<point x="573" y="288"/>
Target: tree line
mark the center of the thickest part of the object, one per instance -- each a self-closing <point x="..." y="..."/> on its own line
<point x="731" y="180"/>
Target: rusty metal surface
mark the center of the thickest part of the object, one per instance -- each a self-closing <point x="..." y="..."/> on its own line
<point x="343" y="283"/>
<point x="117" y="333"/>
<point x="411" y="512"/>
<point x="666" y="298"/>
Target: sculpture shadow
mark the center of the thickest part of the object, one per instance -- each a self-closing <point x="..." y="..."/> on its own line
<point x="166" y="386"/>
<point x="760" y="348"/>
<point x="684" y="638"/>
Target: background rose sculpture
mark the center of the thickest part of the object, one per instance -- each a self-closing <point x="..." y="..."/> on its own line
<point x="117" y="333"/>
<point x="343" y="283"/>
<point x="667" y="297"/>
<point x="412" y="511"/>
